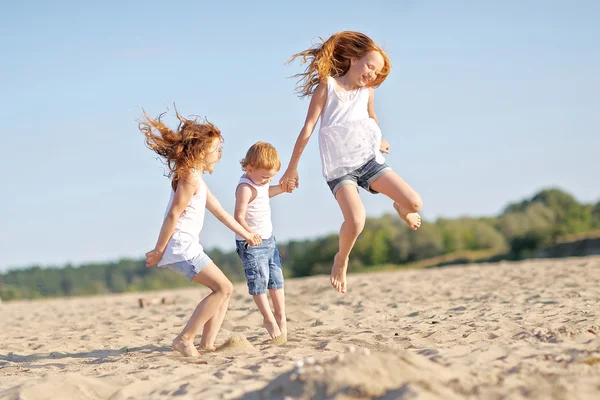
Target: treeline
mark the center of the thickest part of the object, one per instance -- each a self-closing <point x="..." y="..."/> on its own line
<point x="116" y="277"/>
<point x="518" y="232"/>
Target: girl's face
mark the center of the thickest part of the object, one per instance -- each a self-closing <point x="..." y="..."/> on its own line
<point x="364" y="70"/>
<point x="213" y="155"/>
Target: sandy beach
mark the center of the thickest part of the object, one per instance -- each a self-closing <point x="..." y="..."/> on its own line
<point x="526" y="330"/>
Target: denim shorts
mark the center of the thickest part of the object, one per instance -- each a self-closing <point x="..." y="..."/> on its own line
<point x="363" y="176"/>
<point x="190" y="268"/>
<point x="262" y="265"/>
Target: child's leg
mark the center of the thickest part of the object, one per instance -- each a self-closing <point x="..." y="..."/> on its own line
<point x="256" y="270"/>
<point x="212" y="326"/>
<point x="407" y="202"/>
<point x="278" y="298"/>
<point x="354" y="222"/>
<point x="212" y="277"/>
<point x="275" y="287"/>
<point x="262" y="301"/>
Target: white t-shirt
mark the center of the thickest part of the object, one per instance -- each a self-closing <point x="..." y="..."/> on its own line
<point x="348" y="137"/>
<point x="258" y="213"/>
<point x="185" y="241"/>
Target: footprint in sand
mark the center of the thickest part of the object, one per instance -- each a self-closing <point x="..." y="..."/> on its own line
<point x="278" y="341"/>
<point x="236" y="343"/>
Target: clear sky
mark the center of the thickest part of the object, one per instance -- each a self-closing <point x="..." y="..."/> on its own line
<point x="487" y="103"/>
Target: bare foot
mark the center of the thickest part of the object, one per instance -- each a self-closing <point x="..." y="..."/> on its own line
<point x="206" y="348"/>
<point x="338" y="274"/>
<point x="272" y="328"/>
<point x="413" y="220"/>
<point x="185" y="347"/>
<point x="281" y="323"/>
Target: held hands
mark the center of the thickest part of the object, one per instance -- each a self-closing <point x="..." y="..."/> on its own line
<point x="254" y="239"/>
<point x="385" y="146"/>
<point x="289" y="181"/>
<point x="288" y="187"/>
<point x="153" y="257"/>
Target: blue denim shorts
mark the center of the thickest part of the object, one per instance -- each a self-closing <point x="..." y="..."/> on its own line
<point x="262" y="265"/>
<point x="190" y="268"/>
<point x="363" y="176"/>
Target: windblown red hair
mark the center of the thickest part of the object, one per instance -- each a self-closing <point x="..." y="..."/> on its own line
<point x="332" y="57"/>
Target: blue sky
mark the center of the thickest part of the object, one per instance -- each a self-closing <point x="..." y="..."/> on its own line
<point x="487" y="103"/>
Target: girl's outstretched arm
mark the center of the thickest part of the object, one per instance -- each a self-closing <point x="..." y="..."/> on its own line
<point x="213" y="205"/>
<point x="185" y="190"/>
<point x="317" y="103"/>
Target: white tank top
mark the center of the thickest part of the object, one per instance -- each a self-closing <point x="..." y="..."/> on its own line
<point x="258" y="213"/>
<point x="185" y="241"/>
<point x="348" y="137"/>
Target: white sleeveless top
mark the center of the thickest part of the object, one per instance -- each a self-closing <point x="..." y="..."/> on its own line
<point x="185" y="241"/>
<point x="348" y="137"/>
<point x="258" y="213"/>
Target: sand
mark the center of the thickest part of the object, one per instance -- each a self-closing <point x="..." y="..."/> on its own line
<point x="526" y="330"/>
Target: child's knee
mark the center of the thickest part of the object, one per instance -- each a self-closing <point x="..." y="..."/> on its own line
<point x="225" y="288"/>
<point x="356" y="226"/>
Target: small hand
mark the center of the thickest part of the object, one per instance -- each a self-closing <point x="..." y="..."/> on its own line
<point x="254" y="239"/>
<point x="384" y="147"/>
<point x="290" y="180"/>
<point x="153" y="257"/>
<point x="288" y="186"/>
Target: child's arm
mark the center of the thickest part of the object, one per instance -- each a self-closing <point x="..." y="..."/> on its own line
<point x="371" y="105"/>
<point x="317" y="103"/>
<point x="185" y="190"/>
<point x="243" y="196"/>
<point x="213" y="205"/>
<point x="385" y="146"/>
<point x="275" y="190"/>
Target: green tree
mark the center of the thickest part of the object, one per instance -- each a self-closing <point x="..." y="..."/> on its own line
<point x="596" y="215"/>
<point x="426" y="242"/>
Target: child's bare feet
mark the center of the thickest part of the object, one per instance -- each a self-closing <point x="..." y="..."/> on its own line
<point x="413" y="220"/>
<point x="185" y="347"/>
<point x="338" y="274"/>
<point x="272" y="328"/>
<point x="206" y="348"/>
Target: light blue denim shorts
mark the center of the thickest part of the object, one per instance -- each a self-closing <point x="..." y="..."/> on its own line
<point x="190" y="268"/>
<point x="262" y="265"/>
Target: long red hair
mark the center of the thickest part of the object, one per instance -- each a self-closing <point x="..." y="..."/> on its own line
<point x="183" y="149"/>
<point x="332" y="57"/>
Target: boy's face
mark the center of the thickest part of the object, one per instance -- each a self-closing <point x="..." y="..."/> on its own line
<point x="260" y="176"/>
